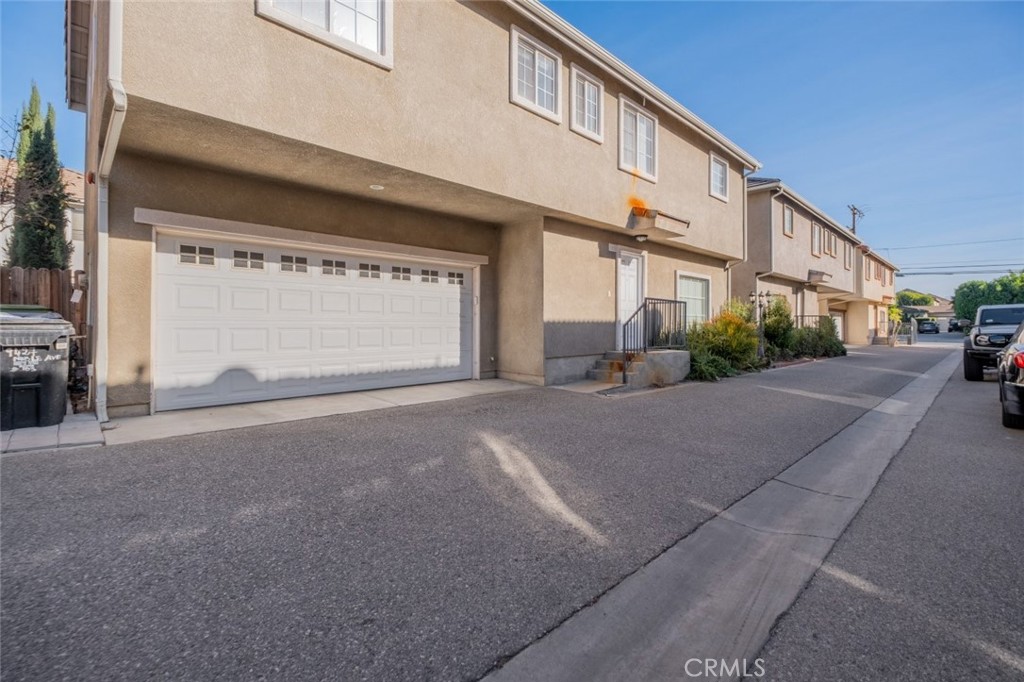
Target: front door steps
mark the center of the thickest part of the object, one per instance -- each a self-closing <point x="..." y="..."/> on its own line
<point x="653" y="368"/>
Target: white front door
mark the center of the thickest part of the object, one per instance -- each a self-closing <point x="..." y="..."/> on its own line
<point x="630" y="291"/>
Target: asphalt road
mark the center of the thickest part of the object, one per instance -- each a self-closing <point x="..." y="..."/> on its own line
<point x="927" y="583"/>
<point x="424" y="542"/>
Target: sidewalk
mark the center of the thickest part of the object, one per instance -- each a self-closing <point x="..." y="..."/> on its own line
<point x="225" y="417"/>
<point x="77" y="430"/>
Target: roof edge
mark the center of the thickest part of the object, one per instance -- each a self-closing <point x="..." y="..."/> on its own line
<point x="534" y="10"/>
<point x="788" y="191"/>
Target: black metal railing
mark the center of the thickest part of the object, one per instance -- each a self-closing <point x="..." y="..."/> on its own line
<point x="659" y="323"/>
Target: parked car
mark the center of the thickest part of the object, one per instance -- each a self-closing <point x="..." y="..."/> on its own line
<point x="954" y="326"/>
<point x="1011" y="380"/>
<point x="927" y="327"/>
<point x="993" y="327"/>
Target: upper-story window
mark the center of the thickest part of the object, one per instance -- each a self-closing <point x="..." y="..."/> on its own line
<point x="719" y="177"/>
<point x="535" y="74"/>
<point x="359" y="27"/>
<point x="848" y="255"/>
<point x="815" y="239"/>
<point x="831" y="243"/>
<point x="787" y="221"/>
<point x="587" y="105"/>
<point x="638" y="140"/>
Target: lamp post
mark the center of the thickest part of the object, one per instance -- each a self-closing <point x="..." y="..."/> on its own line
<point x="762" y="299"/>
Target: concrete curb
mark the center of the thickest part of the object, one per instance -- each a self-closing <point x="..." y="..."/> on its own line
<point x="716" y="593"/>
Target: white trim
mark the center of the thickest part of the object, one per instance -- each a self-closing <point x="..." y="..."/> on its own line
<point x="694" y="275"/>
<point x="820" y="233"/>
<point x="631" y="167"/>
<point x="385" y="59"/>
<point x="152" y="320"/>
<point x="577" y="72"/>
<point x="619" y="248"/>
<point x="168" y="222"/>
<point x="517" y="35"/>
<point x="712" y="157"/>
<point x="476" y="321"/>
<point x="792" y="221"/>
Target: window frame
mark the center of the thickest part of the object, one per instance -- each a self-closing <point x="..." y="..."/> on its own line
<point x="249" y="260"/>
<point x="517" y="36"/>
<point x="385" y="59"/>
<point x="712" y="158"/>
<point x="576" y="72"/>
<point x="847" y="255"/>
<point x="295" y="264"/>
<point x="633" y="169"/>
<point x="197" y="255"/>
<point x="695" y="276"/>
<point x="788" y="210"/>
<point x="816" y="238"/>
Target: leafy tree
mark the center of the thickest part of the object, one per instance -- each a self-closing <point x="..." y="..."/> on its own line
<point x="40" y="198"/>
<point x="909" y="297"/>
<point x="970" y="295"/>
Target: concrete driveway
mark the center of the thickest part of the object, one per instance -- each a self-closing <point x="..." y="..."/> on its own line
<point x="423" y="542"/>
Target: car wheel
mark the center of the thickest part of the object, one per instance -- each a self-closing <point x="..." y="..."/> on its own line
<point x="972" y="368"/>
<point x="1012" y="421"/>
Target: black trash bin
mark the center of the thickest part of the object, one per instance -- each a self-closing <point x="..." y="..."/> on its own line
<point x="34" y="351"/>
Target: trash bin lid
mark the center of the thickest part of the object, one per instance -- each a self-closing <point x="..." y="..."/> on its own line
<point x="27" y="310"/>
<point x="41" y="330"/>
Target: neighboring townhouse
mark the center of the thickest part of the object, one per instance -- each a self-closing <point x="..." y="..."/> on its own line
<point x="291" y="198"/>
<point x="796" y="250"/>
<point x="74" y="215"/>
<point x="868" y="313"/>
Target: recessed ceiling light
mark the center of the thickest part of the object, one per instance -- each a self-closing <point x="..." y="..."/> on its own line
<point x="376" y="188"/>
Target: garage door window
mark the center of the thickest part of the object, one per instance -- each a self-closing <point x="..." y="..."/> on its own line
<point x="429" y="276"/>
<point x="370" y="271"/>
<point x="456" y="278"/>
<point x="248" y="260"/>
<point x="335" y="268"/>
<point x="294" y="264"/>
<point x="190" y="254"/>
<point x="401" y="274"/>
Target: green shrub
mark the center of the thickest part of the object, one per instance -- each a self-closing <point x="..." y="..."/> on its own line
<point x="820" y="342"/>
<point x="724" y="346"/>
<point x="778" y="323"/>
<point x="739" y="308"/>
<point x="707" y="367"/>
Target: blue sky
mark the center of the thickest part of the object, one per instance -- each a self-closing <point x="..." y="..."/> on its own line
<point x="913" y="111"/>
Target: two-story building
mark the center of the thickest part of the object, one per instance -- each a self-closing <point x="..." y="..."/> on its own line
<point x="796" y="250"/>
<point x="289" y="198"/>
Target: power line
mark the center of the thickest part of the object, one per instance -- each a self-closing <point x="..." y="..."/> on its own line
<point x="993" y="265"/>
<point x="984" y="261"/>
<point x="959" y="272"/>
<point x="935" y="246"/>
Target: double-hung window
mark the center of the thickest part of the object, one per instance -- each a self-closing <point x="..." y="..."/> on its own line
<point x="787" y="221"/>
<point x="535" y="76"/>
<point x="847" y="255"/>
<point x="719" y="178"/>
<point x="359" y="27"/>
<point x="815" y="239"/>
<point x="587" y="105"/>
<point x="638" y="140"/>
<point x="696" y="292"/>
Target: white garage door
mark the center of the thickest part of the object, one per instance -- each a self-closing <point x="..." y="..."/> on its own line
<point x="238" y="322"/>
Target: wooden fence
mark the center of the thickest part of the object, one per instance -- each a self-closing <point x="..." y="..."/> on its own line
<point x="48" y="288"/>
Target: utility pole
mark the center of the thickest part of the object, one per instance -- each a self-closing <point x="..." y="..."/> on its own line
<point x="855" y="213"/>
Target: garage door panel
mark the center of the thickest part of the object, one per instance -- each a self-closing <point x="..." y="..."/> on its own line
<point x="230" y="334"/>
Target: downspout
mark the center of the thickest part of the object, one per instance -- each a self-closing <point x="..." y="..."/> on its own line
<point x="114" y="125"/>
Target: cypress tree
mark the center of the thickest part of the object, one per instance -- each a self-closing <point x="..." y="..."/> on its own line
<point x="40" y="199"/>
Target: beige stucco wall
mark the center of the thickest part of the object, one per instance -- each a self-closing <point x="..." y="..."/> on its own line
<point x="146" y="183"/>
<point x="759" y="244"/>
<point x="580" y="285"/>
<point x="872" y="289"/>
<point x="443" y="111"/>
<point x="793" y="256"/>
<point x="520" y="275"/>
